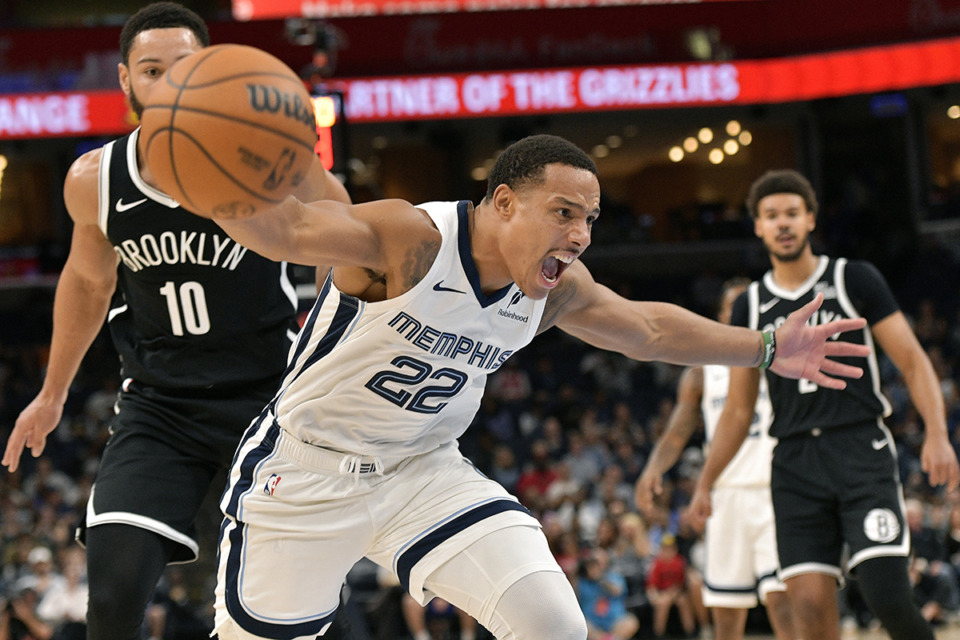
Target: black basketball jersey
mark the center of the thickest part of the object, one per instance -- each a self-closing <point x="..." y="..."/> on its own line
<point x="850" y="290"/>
<point x="193" y="309"/>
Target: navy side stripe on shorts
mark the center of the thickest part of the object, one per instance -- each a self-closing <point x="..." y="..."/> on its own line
<point x="277" y="630"/>
<point x="432" y="540"/>
<point x="249" y="465"/>
<point x="717" y="589"/>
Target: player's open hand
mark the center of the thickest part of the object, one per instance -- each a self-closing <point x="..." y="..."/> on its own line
<point x="806" y="351"/>
<point x="31" y="430"/>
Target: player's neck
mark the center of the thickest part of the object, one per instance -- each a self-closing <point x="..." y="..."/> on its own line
<point x="144" y="171"/>
<point x="791" y="274"/>
<point x="491" y="268"/>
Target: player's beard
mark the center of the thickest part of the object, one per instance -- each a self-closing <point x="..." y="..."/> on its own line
<point x="135" y="104"/>
<point x="792" y="256"/>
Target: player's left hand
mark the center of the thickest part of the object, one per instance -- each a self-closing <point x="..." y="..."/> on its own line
<point x="805" y="351"/>
<point x="939" y="461"/>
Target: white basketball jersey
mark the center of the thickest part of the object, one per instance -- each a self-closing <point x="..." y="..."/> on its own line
<point x="403" y="376"/>
<point x="751" y="466"/>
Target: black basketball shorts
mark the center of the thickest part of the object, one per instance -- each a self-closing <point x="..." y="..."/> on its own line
<point x="163" y="453"/>
<point x="835" y="486"/>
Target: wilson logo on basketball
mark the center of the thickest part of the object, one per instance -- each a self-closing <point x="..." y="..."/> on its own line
<point x="271" y="100"/>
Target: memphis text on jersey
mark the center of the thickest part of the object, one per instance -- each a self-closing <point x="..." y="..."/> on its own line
<point x="189" y="247"/>
<point x="449" y="345"/>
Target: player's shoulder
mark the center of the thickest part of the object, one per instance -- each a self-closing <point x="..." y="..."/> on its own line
<point x="81" y="187"/>
<point x="857" y="270"/>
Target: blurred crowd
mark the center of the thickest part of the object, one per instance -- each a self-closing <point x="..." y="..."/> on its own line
<point x="565" y="427"/>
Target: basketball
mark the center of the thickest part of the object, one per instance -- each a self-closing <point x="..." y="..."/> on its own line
<point x="228" y="131"/>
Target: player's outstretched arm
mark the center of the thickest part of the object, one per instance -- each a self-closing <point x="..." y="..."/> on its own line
<point x="332" y="233"/>
<point x="79" y="309"/>
<point x="668" y="333"/>
<point x="682" y="423"/>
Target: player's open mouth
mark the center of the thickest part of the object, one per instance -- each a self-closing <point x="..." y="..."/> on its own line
<point x="554" y="266"/>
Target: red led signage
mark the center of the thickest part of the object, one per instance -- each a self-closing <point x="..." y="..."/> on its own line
<point x="50" y="115"/>
<point x="605" y="88"/>
<point x="271" y="9"/>
<point x="580" y="89"/>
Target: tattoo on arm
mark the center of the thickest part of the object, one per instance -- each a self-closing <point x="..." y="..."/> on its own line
<point x="418" y="262"/>
<point x="556" y="302"/>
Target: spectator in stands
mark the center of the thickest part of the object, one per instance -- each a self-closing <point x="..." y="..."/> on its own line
<point x="536" y="479"/>
<point x="667" y="588"/>
<point x="64" y="605"/>
<point x="602" y="593"/>
<point x="505" y="469"/>
<point x="19" y="619"/>
<point x="41" y="576"/>
<point x="934" y="597"/>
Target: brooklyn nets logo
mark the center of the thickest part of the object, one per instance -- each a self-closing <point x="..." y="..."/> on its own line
<point x="881" y="525"/>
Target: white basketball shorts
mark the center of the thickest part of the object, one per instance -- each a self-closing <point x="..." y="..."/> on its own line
<point x="741" y="545"/>
<point x="298" y="517"/>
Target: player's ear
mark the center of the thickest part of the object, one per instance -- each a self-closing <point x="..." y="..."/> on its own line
<point x="123" y="74"/>
<point x="502" y="201"/>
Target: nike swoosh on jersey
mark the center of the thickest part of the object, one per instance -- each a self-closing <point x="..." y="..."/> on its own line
<point x="769" y="304"/>
<point x="878" y="444"/>
<point x="123" y="206"/>
<point x="439" y="287"/>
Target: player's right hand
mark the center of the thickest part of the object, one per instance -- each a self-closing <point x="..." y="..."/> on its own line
<point x="31" y="430"/>
<point x="699" y="509"/>
<point x="648" y="486"/>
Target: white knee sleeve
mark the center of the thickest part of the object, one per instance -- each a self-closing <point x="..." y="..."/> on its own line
<point x="510" y="582"/>
<point x="539" y="606"/>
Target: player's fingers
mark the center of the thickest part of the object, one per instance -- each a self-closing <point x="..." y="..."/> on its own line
<point x="834" y="368"/>
<point x="827" y="382"/>
<point x="37" y="446"/>
<point x="11" y="455"/>
<point x="946" y="474"/>
<point x="836" y="349"/>
<point x="803" y="313"/>
<point x="844" y="324"/>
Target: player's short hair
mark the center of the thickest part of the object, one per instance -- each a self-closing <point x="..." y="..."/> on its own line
<point x="524" y="161"/>
<point x="161" y="15"/>
<point x="781" y="181"/>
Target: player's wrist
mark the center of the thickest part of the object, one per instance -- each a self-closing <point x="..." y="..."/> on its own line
<point x="768" y="348"/>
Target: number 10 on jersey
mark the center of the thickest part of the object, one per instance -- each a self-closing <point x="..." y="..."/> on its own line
<point x="187" y="305"/>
